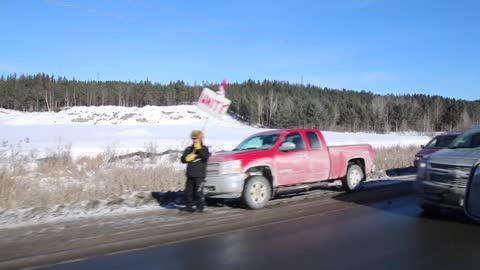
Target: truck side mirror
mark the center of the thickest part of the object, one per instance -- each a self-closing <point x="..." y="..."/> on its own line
<point x="422" y="146"/>
<point x="287" y="146"/>
<point x="472" y="195"/>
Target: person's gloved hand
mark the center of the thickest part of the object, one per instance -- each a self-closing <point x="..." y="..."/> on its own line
<point x="197" y="145"/>
<point x="190" y="157"/>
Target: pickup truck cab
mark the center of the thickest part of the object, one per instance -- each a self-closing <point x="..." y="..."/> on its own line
<point x="266" y="162"/>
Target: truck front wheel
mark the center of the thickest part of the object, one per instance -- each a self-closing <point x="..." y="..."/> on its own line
<point x="256" y="193"/>
<point x="354" y="177"/>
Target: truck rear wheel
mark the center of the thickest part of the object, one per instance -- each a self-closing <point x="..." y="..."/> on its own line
<point x="256" y="193"/>
<point x="354" y="177"/>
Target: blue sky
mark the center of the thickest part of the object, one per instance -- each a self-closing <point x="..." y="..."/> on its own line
<point x="383" y="46"/>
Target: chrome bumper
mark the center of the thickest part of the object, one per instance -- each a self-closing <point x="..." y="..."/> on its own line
<point x="227" y="186"/>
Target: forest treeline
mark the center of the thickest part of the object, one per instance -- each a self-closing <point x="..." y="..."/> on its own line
<point x="273" y="104"/>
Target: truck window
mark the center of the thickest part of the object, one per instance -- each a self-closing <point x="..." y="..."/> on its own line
<point x="264" y="142"/>
<point x="295" y="138"/>
<point x="313" y="140"/>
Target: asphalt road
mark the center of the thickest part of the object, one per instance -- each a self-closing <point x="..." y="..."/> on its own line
<point x="72" y="239"/>
<point x="349" y="233"/>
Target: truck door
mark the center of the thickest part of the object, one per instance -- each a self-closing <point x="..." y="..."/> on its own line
<point x="293" y="166"/>
<point x="319" y="158"/>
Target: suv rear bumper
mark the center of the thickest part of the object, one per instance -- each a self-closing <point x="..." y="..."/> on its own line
<point x="225" y="186"/>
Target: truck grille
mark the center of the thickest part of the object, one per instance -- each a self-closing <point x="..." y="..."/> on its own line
<point x="449" y="175"/>
<point x="213" y="169"/>
<point x="450" y="167"/>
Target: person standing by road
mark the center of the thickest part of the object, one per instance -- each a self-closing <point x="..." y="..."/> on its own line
<point x="195" y="156"/>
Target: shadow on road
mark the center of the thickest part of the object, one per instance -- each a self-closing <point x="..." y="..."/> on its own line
<point x="169" y="199"/>
<point x="379" y="193"/>
<point x="399" y="199"/>
<point x="401" y="171"/>
<point x="176" y="200"/>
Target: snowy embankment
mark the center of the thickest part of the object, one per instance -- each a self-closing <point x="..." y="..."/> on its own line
<point x="88" y="131"/>
<point x="93" y="130"/>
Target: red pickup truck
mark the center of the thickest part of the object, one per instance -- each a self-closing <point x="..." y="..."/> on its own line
<point x="270" y="161"/>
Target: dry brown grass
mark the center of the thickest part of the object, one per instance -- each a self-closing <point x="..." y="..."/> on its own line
<point x="63" y="180"/>
<point x="394" y="157"/>
<point x="59" y="179"/>
<point x="9" y="186"/>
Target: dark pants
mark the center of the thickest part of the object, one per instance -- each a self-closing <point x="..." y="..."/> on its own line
<point x="194" y="193"/>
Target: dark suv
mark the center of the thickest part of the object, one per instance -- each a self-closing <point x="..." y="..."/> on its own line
<point x="436" y="143"/>
<point x="442" y="176"/>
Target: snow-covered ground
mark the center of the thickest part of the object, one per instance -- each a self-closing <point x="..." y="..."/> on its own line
<point x="92" y="130"/>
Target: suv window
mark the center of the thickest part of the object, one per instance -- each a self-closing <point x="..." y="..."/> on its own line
<point x="441" y="141"/>
<point x="295" y="138"/>
<point x="468" y="139"/>
<point x="313" y="140"/>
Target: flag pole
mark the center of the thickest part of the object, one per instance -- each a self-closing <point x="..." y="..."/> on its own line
<point x="205" y="123"/>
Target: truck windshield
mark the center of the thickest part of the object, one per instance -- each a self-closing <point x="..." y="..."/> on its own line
<point x="265" y="142"/>
<point x="469" y="139"/>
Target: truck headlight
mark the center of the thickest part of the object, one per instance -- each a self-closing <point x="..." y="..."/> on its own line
<point x="422" y="168"/>
<point x="231" y="167"/>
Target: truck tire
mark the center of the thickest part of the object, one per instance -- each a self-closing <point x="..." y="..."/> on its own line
<point x="354" y="177"/>
<point x="256" y="192"/>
